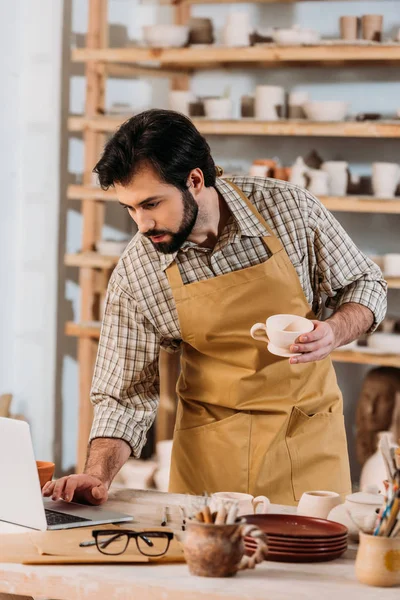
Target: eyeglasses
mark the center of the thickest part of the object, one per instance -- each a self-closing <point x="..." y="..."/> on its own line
<point x="149" y="543"/>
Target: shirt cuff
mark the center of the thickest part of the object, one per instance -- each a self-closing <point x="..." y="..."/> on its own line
<point x="119" y="424"/>
<point x="372" y="294"/>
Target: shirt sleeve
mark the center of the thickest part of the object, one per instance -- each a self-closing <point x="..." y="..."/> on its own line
<point x="125" y="386"/>
<point x="344" y="273"/>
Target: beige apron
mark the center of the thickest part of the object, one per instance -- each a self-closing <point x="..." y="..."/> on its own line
<point x="249" y="421"/>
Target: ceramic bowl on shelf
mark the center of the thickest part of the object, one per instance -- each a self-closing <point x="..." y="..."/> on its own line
<point x="166" y="36"/>
<point x="218" y="108"/>
<point x="111" y="247"/>
<point x="385" y="342"/>
<point x="328" y="110"/>
<point x="295" y="36"/>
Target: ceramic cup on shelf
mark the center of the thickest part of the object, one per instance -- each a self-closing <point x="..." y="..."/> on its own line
<point x="371" y="26"/>
<point x="349" y="26"/>
<point x="258" y="171"/>
<point x="180" y="100"/>
<point x="318" y="504"/>
<point x="391" y="265"/>
<point x="319" y="182"/>
<point x="296" y="100"/>
<point x="385" y="178"/>
<point x="218" y="108"/>
<point x="378" y="560"/>
<point x="267" y="102"/>
<point x="280" y="331"/>
<point x="338" y="176"/>
<point x="247" y="106"/>
<point x="237" y="29"/>
<point x="247" y="504"/>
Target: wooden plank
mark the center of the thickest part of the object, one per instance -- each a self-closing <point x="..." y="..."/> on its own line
<point x="358" y="204"/>
<point x="194" y="57"/>
<point x="92" y="260"/>
<point x="351" y="356"/>
<point x="393" y="283"/>
<point x="248" y="1"/>
<point x="289" y="127"/>
<point x="361" y="204"/>
<point x="85" y="329"/>
<point x="127" y="71"/>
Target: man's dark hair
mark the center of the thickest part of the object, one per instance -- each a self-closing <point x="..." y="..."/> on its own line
<point x="164" y="139"/>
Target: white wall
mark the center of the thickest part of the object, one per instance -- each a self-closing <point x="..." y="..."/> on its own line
<point x="30" y="50"/>
<point x="368" y="89"/>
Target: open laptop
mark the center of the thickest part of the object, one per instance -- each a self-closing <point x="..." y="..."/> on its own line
<point x="21" y="500"/>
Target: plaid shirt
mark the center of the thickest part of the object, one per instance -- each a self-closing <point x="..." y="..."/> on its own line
<point x="140" y="312"/>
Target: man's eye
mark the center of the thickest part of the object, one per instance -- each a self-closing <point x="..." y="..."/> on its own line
<point x="152" y="204"/>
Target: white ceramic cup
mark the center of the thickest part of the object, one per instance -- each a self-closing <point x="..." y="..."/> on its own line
<point x="385" y="178"/>
<point x="391" y="265"/>
<point x="258" y="171"/>
<point x="218" y="108"/>
<point x="318" y="504"/>
<point x="247" y="504"/>
<point x="179" y="101"/>
<point x="337" y="171"/>
<point x="281" y="330"/>
<point x="267" y="98"/>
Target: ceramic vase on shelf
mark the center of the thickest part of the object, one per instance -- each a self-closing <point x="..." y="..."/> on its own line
<point x="237" y="29"/>
<point x="269" y="102"/>
<point x="385" y="178"/>
<point x="318" y="185"/>
<point x="337" y="176"/>
<point x="298" y="172"/>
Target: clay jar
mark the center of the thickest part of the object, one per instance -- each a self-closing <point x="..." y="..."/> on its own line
<point x="45" y="471"/>
<point x="213" y="550"/>
<point x="372" y="27"/>
<point x="378" y="560"/>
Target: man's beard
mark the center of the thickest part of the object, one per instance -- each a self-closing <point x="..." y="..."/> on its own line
<point x="190" y="210"/>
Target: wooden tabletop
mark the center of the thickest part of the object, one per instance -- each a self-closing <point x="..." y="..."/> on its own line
<point x="269" y="581"/>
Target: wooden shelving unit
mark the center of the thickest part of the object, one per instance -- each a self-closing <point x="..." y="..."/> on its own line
<point x="283" y="127"/>
<point x="100" y="61"/>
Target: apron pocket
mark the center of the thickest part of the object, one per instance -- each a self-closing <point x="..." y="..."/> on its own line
<point x="318" y="453"/>
<point x="212" y="458"/>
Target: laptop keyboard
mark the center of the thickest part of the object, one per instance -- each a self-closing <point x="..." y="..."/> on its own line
<point x="56" y="518"/>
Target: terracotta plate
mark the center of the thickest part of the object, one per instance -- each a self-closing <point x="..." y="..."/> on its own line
<point x="300" y="557"/>
<point x="288" y="541"/>
<point x="298" y="547"/>
<point x="295" y="526"/>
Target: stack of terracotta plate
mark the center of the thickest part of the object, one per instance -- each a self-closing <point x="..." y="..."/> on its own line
<point x="293" y="538"/>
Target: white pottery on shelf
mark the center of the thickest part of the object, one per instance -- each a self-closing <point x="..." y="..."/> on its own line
<point x="267" y="99"/>
<point x="111" y="247"/>
<point x="362" y="506"/>
<point x="385" y="178"/>
<point x="391" y="265"/>
<point x="338" y="176"/>
<point x="374" y="472"/>
<point x="328" y="110"/>
<point x="318" y="185"/>
<point x="166" y="36"/>
<point x="218" y="108"/>
<point x="179" y="101"/>
<point x="295" y="36"/>
<point x="258" y="171"/>
<point x="298" y="172"/>
<point x="237" y="29"/>
<point x="385" y="342"/>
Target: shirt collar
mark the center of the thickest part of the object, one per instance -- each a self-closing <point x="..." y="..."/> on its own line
<point x="244" y="222"/>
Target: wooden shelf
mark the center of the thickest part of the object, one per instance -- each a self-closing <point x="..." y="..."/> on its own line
<point x="87" y="330"/>
<point x="261" y="55"/>
<point x="384" y="360"/>
<point x="92" y="330"/>
<point x="91" y="260"/>
<point x="245" y="1"/>
<point x="294" y="128"/>
<point x="359" y="204"/>
<point x="393" y="283"/>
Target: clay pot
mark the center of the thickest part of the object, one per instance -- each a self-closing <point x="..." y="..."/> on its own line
<point x="45" y="471"/>
<point x="378" y="560"/>
<point x="372" y="27"/>
<point x="213" y="550"/>
<point x="349" y="27"/>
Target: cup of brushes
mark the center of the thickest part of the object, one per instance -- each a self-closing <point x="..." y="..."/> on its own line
<point x="378" y="556"/>
<point x="213" y="543"/>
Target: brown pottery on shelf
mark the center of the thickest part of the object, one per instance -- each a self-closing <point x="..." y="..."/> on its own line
<point x="213" y="550"/>
<point x="45" y="471"/>
<point x="378" y="560"/>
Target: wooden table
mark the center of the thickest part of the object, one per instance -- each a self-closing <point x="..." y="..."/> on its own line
<point x="269" y="581"/>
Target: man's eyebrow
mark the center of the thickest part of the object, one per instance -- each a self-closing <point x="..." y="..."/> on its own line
<point x="145" y="201"/>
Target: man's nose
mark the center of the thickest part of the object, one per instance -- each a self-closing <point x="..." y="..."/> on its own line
<point x="145" y="224"/>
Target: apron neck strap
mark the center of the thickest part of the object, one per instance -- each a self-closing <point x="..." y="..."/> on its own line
<point x="271" y="241"/>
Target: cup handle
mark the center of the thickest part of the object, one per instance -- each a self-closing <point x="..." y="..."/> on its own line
<point x="261" y="500"/>
<point x="262" y="335"/>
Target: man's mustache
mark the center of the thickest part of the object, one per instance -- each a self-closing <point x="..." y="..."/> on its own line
<point x="155" y="232"/>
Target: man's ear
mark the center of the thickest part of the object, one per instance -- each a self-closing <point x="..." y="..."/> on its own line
<point x="196" y="181"/>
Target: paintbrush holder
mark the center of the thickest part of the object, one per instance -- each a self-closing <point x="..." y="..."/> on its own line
<point x="213" y="550"/>
<point x="378" y="560"/>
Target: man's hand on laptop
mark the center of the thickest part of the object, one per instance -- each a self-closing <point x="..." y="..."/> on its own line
<point x="77" y="488"/>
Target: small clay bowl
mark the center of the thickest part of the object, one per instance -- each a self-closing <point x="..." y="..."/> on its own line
<point x="45" y="471"/>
